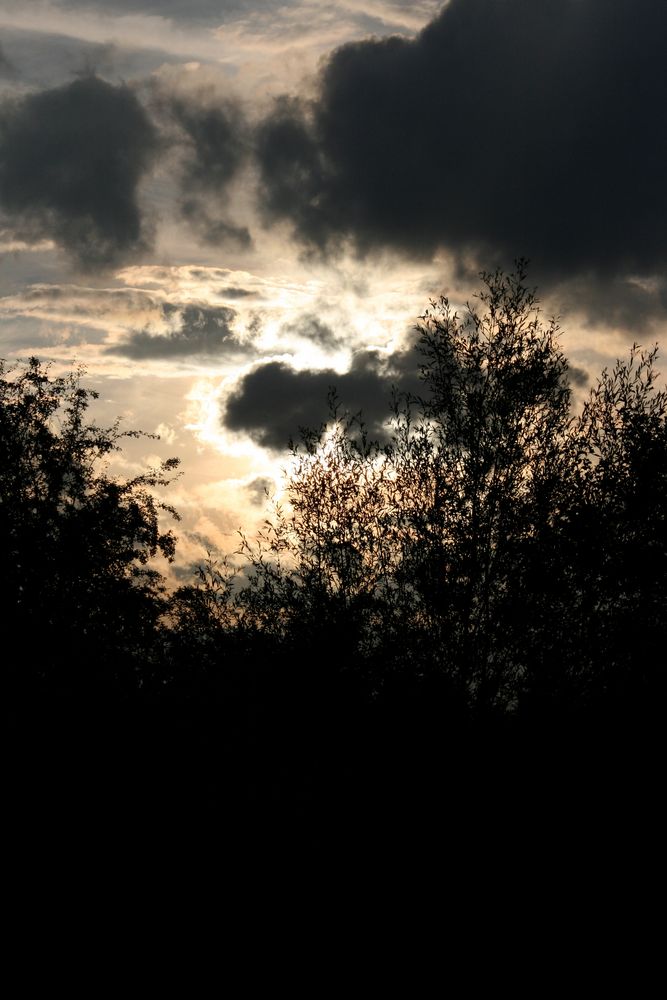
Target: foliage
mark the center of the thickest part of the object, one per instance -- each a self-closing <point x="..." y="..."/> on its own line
<point x="487" y="451"/>
<point x="608" y="546"/>
<point x="497" y="546"/>
<point x="500" y="562"/>
<point x="77" y="545"/>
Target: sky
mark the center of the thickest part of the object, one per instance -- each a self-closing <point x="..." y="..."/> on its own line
<point x="223" y="208"/>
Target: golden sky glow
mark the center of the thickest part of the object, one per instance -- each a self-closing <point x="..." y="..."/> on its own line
<point x="168" y="334"/>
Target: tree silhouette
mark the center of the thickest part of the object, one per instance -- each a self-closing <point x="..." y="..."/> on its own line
<point x="486" y="449"/>
<point x="498" y="549"/>
<point x="598" y="574"/>
<point x="410" y="614"/>
<point x="77" y="545"/>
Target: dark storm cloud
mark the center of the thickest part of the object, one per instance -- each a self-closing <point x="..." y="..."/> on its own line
<point x="273" y="402"/>
<point x="295" y="184"/>
<point x="71" y="159"/>
<point x="502" y="129"/>
<point x="203" y="330"/>
<point x="218" y="143"/>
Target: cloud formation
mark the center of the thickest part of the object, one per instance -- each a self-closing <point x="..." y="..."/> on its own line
<point x="195" y="10"/>
<point x="259" y="488"/>
<point x="372" y="13"/>
<point x="274" y="402"/>
<point x="216" y="148"/>
<point x="502" y="129"/>
<point x="71" y="160"/>
<point x="7" y="70"/>
<point x="202" y="330"/>
<point x="628" y="304"/>
<point x="310" y="328"/>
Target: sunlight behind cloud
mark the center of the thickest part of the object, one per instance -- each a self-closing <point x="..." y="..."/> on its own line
<point x="202" y="418"/>
<point x="371" y="208"/>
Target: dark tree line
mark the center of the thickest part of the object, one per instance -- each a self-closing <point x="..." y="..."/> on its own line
<point x="498" y="569"/>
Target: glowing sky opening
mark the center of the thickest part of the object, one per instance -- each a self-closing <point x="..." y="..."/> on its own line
<point x="220" y="209"/>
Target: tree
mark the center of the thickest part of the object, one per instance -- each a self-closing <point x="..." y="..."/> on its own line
<point x="487" y="452"/>
<point x="604" y="562"/>
<point x="498" y="547"/>
<point x="79" y="589"/>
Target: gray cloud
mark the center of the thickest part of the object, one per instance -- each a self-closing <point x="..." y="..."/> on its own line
<point x="203" y="330"/>
<point x="233" y="292"/>
<point x="83" y="301"/>
<point x="259" y="488"/>
<point x="295" y="183"/>
<point x="503" y="129"/>
<point x="621" y="304"/>
<point x="7" y="69"/>
<point x="312" y="329"/>
<point x="216" y="134"/>
<point x="272" y="403"/>
<point x="25" y="334"/>
<point x="211" y="230"/>
<point x="215" y="148"/>
<point x="577" y="376"/>
<point x="275" y="402"/>
<point x="71" y="159"/>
